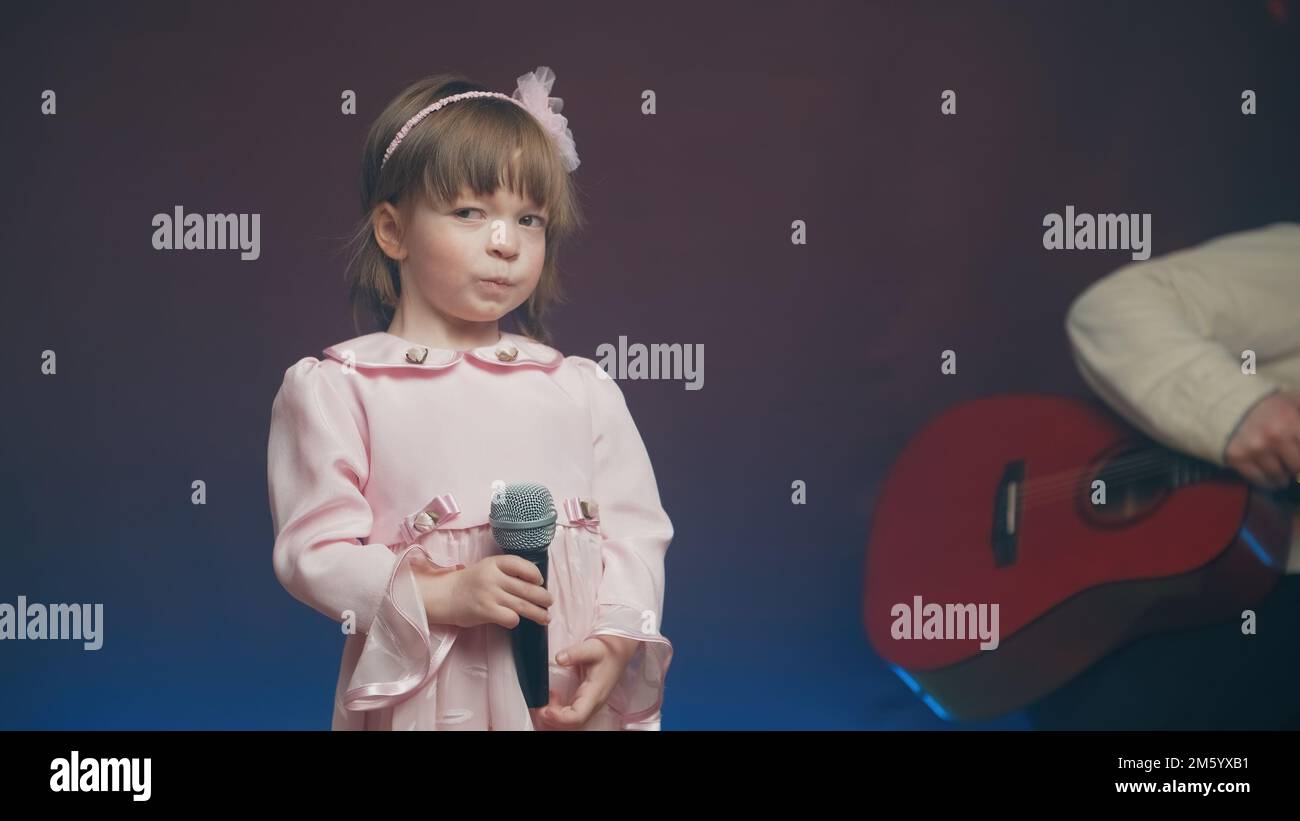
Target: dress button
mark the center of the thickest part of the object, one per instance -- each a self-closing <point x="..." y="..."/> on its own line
<point x="417" y="355"/>
<point x="507" y="354"/>
<point x="425" y="521"/>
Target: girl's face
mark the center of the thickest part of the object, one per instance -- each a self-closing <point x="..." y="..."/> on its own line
<point x="476" y="259"/>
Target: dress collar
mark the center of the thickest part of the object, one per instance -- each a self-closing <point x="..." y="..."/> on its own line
<point x="384" y="350"/>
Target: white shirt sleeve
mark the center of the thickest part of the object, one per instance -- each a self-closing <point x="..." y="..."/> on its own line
<point x="1162" y="341"/>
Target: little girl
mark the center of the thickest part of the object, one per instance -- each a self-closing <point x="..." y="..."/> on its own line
<point x="384" y="456"/>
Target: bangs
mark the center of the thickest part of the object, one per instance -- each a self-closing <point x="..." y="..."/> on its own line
<point x="485" y="144"/>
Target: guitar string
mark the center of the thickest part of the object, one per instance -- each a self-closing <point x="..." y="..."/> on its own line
<point x="1063" y="484"/>
<point x="1068" y="484"/>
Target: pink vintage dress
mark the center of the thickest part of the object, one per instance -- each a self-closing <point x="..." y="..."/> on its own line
<point x="385" y="454"/>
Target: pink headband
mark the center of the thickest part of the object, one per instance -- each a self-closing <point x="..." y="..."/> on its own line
<point x="532" y="94"/>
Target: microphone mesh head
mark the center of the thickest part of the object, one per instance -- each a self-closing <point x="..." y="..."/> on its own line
<point x="523" y="517"/>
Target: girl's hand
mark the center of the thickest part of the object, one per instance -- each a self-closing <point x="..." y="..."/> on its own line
<point x="494" y="590"/>
<point x="600" y="661"/>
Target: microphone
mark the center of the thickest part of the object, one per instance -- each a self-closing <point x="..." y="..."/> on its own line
<point x="523" y="523"/>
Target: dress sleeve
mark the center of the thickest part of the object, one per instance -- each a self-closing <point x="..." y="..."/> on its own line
<point x="317" y="465"/>
<point x="1162" y="340"/>
<point x="315" y="472"/>
<point x="635" y="534"/>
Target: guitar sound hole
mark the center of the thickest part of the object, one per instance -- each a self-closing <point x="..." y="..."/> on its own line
<point x="1134" y="485"/>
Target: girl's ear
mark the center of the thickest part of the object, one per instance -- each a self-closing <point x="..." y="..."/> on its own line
<point x="386" y="221"/>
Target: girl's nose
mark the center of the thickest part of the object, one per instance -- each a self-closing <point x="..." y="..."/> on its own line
<point x="502" y="241"/>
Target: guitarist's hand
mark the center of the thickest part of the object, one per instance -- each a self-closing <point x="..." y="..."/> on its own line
<point x="1266" y="447"/>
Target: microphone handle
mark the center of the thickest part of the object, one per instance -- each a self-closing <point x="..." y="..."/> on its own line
<point x="531" y="648"/>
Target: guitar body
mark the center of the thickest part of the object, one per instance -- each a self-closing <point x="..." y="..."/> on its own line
<point x="996" y="502"/>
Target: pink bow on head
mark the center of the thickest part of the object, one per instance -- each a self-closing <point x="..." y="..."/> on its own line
<point x="533" y="93"/>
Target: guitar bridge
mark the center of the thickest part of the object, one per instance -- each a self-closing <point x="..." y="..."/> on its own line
<point x="1007" y="505"/>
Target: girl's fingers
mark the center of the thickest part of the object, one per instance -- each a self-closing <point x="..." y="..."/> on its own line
<point x="590" y="696"/>
<point x="546" y="714"/>
<point x="520" y="568"/>
<point x="589" y="651"/>
<point x="534" y="593"/>
<point x="525" y="608"/>
<point x="505" y="617"/>
<point x="584" y="704"/>
<point x="563" y="718"/>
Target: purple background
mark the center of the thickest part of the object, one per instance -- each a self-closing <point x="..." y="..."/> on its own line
<point x="924" y="233"/>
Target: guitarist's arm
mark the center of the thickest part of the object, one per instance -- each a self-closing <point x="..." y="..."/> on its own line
<point x="1162" y="342"/>
<point x="1266" y="445"/>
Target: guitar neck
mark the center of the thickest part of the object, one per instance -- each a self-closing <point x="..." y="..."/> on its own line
<point x="1188" y="470"/>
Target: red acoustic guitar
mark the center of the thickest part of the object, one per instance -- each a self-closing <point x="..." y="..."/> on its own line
<point x="1018" y="539"/>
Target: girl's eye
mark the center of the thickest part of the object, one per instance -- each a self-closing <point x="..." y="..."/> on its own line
<point x="540" y="221"/>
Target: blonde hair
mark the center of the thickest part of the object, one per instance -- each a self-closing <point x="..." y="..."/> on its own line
<point x="477" y="143"/>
